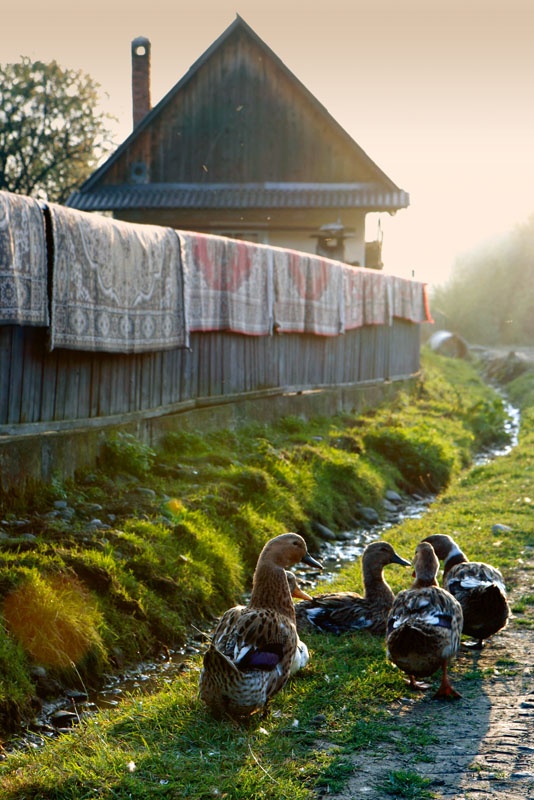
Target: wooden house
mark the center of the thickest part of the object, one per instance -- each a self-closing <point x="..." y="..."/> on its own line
<point x="239" y="147"/>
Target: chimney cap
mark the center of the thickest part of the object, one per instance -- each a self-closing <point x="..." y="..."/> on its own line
<point x="140" y="41"/>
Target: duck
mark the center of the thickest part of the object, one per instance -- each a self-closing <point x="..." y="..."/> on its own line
<point x="424" y="626"/>
<point x="253" y="647"/>
<point x="344" y="612"/>
<point x="479" y="588"/>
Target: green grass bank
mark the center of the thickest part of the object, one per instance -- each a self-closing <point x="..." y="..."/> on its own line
<point x="175" y="541"/>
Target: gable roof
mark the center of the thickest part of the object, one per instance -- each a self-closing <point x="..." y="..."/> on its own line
<point x="102" y="190"/>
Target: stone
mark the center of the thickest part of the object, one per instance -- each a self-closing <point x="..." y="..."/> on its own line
<point x="147" y="492"/>
<point x="498" y="528"/>
<point x="324" y="532"/>
<point x="368" y="514"/>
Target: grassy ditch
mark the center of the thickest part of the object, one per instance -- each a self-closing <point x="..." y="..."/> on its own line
<point x="187" y="524"/>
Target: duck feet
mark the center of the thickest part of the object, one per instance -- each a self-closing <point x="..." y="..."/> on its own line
<point x="446" y="690"/>
<point x="447" y="694"/>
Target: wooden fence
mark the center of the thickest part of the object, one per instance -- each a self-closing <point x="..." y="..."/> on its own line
<point x="57" y="404"/>
<point x="66" y="386"/>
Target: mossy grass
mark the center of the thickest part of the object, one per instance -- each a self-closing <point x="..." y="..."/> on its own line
<point x="201" y="530"/>
<point x="521" y="390"/>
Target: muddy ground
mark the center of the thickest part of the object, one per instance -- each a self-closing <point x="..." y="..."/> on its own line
<point x="483" y="744"/>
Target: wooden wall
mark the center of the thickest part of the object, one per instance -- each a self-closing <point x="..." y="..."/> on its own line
<point x="38" y="386"/>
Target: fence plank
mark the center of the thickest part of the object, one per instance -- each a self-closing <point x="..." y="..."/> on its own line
<point x="16" y="356"/>
<point x="39" y="386"/>
<point x="5" y="368"/>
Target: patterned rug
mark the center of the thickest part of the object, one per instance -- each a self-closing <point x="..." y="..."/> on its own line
<point x="308" y="294"/>
<point x="377" y="298"/>
<point x="374" y="298"/>
<point x="117" y="287"/>
<point x="228" y="284"/>
<point x="410" y="300"/>
<point x="23" y="265"/>
<point x="353" y="278"/>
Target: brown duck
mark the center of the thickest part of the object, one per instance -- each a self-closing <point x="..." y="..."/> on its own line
<point x="253" y="647"/>
<point x="478" y="587"/>
<point x="343" y="612"/>
<point x="425" y="625"/>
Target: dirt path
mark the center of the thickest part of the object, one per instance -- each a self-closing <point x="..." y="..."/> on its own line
<point x="475" y="748"/>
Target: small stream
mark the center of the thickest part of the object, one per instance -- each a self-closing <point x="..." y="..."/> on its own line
<point x="58" y="716"/>
<point x="511" y="427"/>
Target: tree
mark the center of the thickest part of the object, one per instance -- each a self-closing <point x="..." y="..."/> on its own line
<point x="52" y="135"/>
<point x="489" y="298"/>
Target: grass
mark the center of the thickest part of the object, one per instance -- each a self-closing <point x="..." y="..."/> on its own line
<point x="407" y="784"/>
<point x="165" y="745"/>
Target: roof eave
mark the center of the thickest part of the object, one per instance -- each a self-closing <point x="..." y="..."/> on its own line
<point x="230" y="196"/>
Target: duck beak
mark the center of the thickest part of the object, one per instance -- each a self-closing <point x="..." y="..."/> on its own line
<point x="300" y="594"/>
<point x="402" y="561"/>
<point x="308" y="559"/>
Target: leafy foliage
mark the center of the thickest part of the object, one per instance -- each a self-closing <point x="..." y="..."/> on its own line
<point x="490" y="296"/>
<point x="122" y="451"/>
<point x="52" y="134"/>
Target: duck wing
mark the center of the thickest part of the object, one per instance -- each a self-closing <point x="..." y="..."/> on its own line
<point x="481" y="591"/>
<point x="225" y="689"/>
<point x="248" y="661"/>
<point x="339" y="612"/>
<point x="424" y="628"/>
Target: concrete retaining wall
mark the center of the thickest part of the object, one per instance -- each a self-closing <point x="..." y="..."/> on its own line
<point x="41" y="452"/>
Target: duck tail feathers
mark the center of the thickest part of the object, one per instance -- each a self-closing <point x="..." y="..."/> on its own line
<point x="215" y="659"/>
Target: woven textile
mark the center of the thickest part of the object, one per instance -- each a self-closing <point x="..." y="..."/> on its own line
<point x="353" y="278"/>
<point x="410" y="300"/>
<point x="23" y="264"/>
<point x="117" y="287"/>
<point x="308" y="294"/>
<point x="368" y="298"/>
<point x="228" y="284"/>
<point x="377" y="298"/>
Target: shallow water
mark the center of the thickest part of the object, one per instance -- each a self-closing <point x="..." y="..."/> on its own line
<point x="511" y="426"/>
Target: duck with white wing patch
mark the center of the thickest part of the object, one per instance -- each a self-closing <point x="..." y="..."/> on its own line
<point x="478" y="587"/>
<point x="424" y="626"/>
<point x="253" y="649"/>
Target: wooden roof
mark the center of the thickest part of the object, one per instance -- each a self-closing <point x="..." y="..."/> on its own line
<point x="239" y="128"/>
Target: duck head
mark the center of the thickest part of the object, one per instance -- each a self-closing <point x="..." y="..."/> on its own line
<point x="446" y="550"/>
<point x="286" y="550"/>
<point x="295" y="589"/>
<point x="270" y="587"/>
<point x="382" y="553"/>
<point x="443" y="545"/>
<point x="426" y="565"/>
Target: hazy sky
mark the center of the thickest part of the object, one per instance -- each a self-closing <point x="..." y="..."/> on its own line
<point x="437" y="92"/>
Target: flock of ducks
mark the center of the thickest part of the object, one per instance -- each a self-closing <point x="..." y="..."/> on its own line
<point x="256" y="648"/>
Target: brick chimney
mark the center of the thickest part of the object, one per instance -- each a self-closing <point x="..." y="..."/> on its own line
<point x="140" y="79"/>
